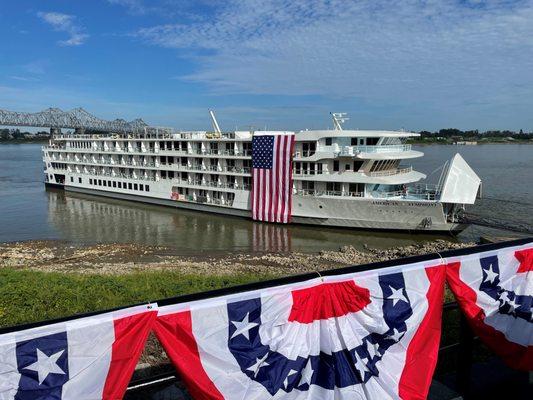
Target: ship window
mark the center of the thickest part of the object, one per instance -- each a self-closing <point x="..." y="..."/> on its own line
<point x="357" y="165"/>
<point x="147" y="188"/>
<point x="372" y="141"/>
<point x="71" y="179"/>
<point x="129" y="186"/>
<point x="353" y="142"/>
<point x="90" y="181"/>
<point x="308" y="185"/>
<point x="163" y="174"/>
<point x="297" y="167"/>
<point x="119" y="185"/>
<point x="99" y="182"/>
<point x="135" y="186"/>
<point x="79" y="180"/>
<point x="319" y="168"/>
<point x="114" y="184"/>
<point x="347" y="167"/>
<point x="328" y="141"/>
<point x="356" y="188"/>
<point x="335" y="165"/>
<point x="170" y="174"/>
<point x="333" y="187"/>
<point x="109" y="183"/>
<point x="105" y="183"/>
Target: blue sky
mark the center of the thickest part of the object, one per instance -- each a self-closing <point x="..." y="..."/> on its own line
<point x="280" y="64"/>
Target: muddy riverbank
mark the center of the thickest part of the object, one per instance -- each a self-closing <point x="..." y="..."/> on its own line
<point x="113" y="259"/>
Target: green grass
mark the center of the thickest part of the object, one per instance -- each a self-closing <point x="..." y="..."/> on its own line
<point x="30" y="296"/>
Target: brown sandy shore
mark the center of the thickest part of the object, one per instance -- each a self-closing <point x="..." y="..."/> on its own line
<point x="113" y="259"/>
<point x="116" y="259"/>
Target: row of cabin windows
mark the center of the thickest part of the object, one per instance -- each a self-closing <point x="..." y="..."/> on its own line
<point x="352" y="187"/>
<point x="335" y="186"/>
<point x="72" y="180"/>
<point x="120" y="185"/>
<point x="165" y="145"/>
<point x="80" y="145"/>
<point x="59" y="165"/>
<point x="247" y="180"/>
<point x="202" y="192"/>
<point x="317" y="168"/>
<point x="357" y="141"/>
<point x="347" y="167"/>
<point x="197" y="162"/>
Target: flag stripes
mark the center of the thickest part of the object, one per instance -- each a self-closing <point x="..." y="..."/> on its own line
<point x="272" y="177"/>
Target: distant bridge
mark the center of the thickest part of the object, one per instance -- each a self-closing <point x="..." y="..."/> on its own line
<point x="77" y="118"/>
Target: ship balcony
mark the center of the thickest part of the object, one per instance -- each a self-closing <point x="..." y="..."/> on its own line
<point x="230" y="153"/>
<point x="213" y="184"/>
<point x="383" y="152"/>
<point x="319" y="193"/>
<point x="391" y="177"/>
<point x="414" y="192"/>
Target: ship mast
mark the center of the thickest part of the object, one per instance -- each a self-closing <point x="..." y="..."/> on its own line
<point x="216" y="127"/>
<point x="338" y="120"/>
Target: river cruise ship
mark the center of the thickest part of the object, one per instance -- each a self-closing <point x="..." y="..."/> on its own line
<point x="341" y="178"/>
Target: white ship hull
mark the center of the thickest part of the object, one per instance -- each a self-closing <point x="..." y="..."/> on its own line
<point x="351" y="213"/>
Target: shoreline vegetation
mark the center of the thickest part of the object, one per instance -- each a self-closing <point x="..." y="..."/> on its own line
<point x="42" y="280"/>
<point x="457" y="136"/>
<point x="443" y="136"/>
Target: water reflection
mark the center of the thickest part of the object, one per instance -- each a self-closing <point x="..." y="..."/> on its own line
<point x="92" y="219"/>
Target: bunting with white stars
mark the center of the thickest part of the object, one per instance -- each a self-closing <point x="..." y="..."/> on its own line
<point x="495" y="292"/>
<point x="85" y="358"/>
<point x="340" y="337"/>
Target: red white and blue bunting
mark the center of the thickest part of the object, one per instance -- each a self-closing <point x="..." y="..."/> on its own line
<point x="369" y="334"/>
<point x="495" y="292"/>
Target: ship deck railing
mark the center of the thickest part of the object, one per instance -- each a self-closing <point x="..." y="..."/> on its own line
<point x="318" y="193"/>
<point x="214" y="184"/>
<point x="396" y="148"/>
<point x="354" y="150"/>
<point x="203" y="199"/>
<point x="391" y="172"/>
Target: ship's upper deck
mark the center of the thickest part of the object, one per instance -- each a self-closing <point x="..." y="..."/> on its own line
<point x="323" y="134"/>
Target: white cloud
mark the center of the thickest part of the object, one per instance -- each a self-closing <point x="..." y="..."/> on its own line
<point x="136" y="7"/>
<point x="450" y="54"/>
<point x="65" y="23"/>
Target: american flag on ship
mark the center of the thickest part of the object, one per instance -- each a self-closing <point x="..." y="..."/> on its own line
<point x="272" y="176"/>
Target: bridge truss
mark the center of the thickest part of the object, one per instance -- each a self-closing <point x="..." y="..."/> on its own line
<point x="77" y="118"/>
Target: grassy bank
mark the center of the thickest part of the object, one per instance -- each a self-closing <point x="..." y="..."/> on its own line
<point x="29" y="296"/>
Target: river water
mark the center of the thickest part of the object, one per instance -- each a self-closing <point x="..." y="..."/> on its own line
<point x="28" y="211"/>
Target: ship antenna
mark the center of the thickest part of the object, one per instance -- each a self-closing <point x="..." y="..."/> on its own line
<point x="338" y="120"/>
<point x="216" y="127"/>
